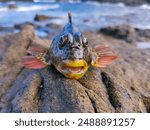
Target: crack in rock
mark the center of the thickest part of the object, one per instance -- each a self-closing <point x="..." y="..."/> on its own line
<point x="111" y="90"/>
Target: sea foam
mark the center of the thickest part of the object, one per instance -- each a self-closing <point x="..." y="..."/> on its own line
<point x="31" y="8"/>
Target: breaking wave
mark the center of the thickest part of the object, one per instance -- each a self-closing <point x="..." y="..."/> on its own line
<point x="31" y="8"/>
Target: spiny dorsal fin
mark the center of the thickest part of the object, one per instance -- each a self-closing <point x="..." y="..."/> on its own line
<point x="70" y="18"/>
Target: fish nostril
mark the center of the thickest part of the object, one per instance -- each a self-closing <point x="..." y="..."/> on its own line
<point x="76" y="47"/>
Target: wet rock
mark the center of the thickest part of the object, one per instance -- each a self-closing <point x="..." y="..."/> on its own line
<point x="143" y="32"/>
<point x="127" y="90"/>
<point x="11" y="29"/>
<point x="23" y="95"/>
<point x="43" y="17"/>
<point x="10" y="66"/>
<point x="54" y="26"/>
<point x="46" y="29"/>
<point x="71" y="96"/>
<point x="18" y="87"/>
<point x="7" y="30"/>
<point x="22" y="25"/>
<point x="50" y="29"/>
<point x="124" y="32"/>
<point x="12" y="6"/>
<point x="96" y="91"/>
<point x="120" y="96"/>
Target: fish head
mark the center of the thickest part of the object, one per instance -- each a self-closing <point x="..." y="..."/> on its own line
<point x="69" y="52"/>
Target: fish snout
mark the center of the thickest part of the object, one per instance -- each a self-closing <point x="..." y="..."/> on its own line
<point x="76" y="46"/>
<point x="75" y="53"/>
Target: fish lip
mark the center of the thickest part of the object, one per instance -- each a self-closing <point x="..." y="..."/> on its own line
<point x="77" y="70"/>
<point x="74" y="69"/>
<point x="68" y="66"/>
<point x="74" y="63"/>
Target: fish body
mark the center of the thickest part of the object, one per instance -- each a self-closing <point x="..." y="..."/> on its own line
<point x="70" y="54"/>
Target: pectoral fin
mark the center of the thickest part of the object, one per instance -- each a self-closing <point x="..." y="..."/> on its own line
<point x="103" y="55"/>
<point x="37" y="59"/>
<point x="36" y="49"/>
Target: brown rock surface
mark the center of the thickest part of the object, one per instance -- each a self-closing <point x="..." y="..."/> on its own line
<point x="124" y="32"/>
<point x="121" y="87"/>
<point x="12" y="6"/>
<point x="40" y="17"/>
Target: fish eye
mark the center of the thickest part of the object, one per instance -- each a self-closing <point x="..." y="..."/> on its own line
<point x="85" y="42"/>
<point x="63" y="40"/>
<point x="61" y="44"/>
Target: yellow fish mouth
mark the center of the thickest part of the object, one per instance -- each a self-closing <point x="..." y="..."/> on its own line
<point x="73" y="68"/>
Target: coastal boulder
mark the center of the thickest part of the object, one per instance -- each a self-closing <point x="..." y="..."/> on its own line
<point x="143" y="32"/>
<point x="12" y="6"/>
<point x="39" y="17"/>
<point x="124" y="32"/>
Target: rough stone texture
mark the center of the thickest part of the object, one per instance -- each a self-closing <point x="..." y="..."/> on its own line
<point x="123" y="86"/>
<point x="124" y="32"/>
<point x="23" y="95"/>
<point x="126" y="80"/>
<point x="20" y="26"/>
<point x="10" y="66"/>
<point x="60" y="94"/>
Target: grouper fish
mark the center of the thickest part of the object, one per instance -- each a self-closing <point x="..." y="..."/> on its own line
<point x="70" y="53"/>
